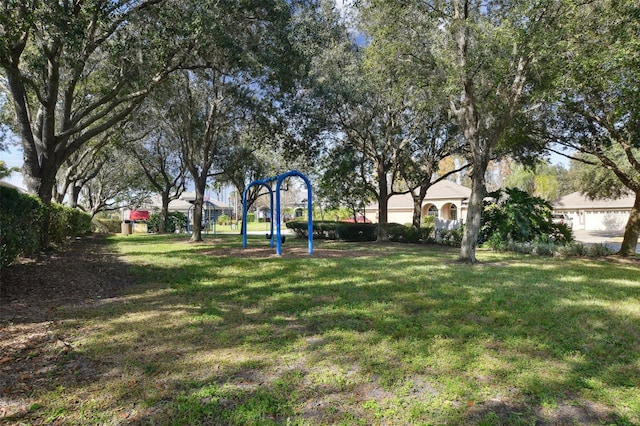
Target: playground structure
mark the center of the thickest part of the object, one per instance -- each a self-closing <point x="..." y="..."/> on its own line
<point x="277" y="238"/>
<point x="209" y="215"/>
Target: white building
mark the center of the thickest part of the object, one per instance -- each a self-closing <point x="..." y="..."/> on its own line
<point x="446" y="201"/>
<point x="595" y="215"/>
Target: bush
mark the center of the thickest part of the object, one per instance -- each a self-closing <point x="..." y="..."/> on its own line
<point x="515" y="216"/>
<point x="579" y="249"/>
<point x="176" y="221"/>
<point x="410" y="234"/>
<point x="223" y="219"/>
<point x="449" y="237"/>
<point x="322" y="230"/>
<point x="357" y="231"/>
<point x="428" y="221"/>
<point x="330" y="230"/>
<point x="22" y="220"/>
<point x="251" y="217"/>
<point x="65" y="223"/>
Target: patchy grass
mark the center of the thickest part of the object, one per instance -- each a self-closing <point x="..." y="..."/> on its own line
<point x="356" y="334"/>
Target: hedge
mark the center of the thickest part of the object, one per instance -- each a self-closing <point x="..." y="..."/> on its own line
<point x="21" y="221"/>
<point x="330" y="230"/>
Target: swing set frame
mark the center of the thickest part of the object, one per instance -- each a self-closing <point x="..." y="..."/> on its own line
<point x="267" y="183"/>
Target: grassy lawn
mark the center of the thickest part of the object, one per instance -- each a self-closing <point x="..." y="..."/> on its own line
<point x="251" y="227"/>
<point x="358" y="334"/>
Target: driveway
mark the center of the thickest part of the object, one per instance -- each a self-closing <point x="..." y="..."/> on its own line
<point x="613" y="239"/>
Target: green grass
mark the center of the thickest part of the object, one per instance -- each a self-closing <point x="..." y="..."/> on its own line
<point x="382" y="334"/>
<point x="251" y="227"/>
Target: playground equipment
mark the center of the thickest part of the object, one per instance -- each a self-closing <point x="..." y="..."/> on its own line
<point x="209" y="214"/>
<point x="278" y="236"/>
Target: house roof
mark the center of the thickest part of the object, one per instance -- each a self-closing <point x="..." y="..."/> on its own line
<point x="183" y="204"/>
<point x="443" y="190"/>
<point x="446" y="189"/>
<point x="576" y="200"/>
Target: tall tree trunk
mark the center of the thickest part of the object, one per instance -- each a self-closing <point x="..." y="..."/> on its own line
<point x="75" y="195"/>
<point x="196" y="226"/>
<point x="383" y="204"/>
<point x="417" y="204"/>
<point x="474" y="214"/>
<point x="164" y="213"/>
<point x="631" y="230"/>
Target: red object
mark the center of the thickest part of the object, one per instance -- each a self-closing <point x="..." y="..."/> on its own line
<point x="138" y="215"/>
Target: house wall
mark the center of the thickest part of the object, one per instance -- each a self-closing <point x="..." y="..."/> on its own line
<point x="405" y="216"/>
<point x="399" y="216"/>
<point x="598" y="220"/>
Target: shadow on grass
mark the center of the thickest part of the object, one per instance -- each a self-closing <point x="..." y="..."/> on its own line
<point x="406" y="338"/>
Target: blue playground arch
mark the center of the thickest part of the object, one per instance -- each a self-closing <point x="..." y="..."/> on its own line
<point x="267" y="184"/>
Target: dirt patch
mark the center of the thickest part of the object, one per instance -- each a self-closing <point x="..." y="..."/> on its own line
<point x="32" y="293"/>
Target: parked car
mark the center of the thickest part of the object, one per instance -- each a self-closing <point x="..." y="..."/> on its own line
<point x="562" y="218"/>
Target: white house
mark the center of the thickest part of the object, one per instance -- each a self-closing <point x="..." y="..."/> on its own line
<point x="595" y="215"/>
<point x="446" y="201"/>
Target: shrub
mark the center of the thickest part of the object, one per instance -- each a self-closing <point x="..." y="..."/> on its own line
<point x="176" y="221"/>
<point x="357" y="231"/>
<point x="65" y="222"/>
<point x="300" y="228"/>
<point x="598" y="249"/>
<point x="515" y="216"/>
<point x="428" y="221"/>
<point x="22" y="220"/>
<point x="322" y="230"/>
<point x="410" y="234"/>
<point x="449" y="237"/>
<point x="223" y="219"/>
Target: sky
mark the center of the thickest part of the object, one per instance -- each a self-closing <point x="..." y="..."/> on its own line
<point x="13" y="158"/>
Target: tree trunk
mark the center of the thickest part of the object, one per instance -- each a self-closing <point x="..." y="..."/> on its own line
<point x="631" y="230"/>
<point x="417" y="211"/>
<point x="196" y="226"/>
<point x="383" y="204"/>
<point x="75" y="195"/>
<point x="474" y="215"/>
<point x="417" y="205"/>
<point x="164" y="212"/>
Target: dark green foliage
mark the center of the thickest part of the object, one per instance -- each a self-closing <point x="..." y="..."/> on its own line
<point x="357" y="231"/>
<point x="66" y="222"/>
<point x="176" y="221"/>
<point x="330" y="230"/>
<point x="322" y="230"/>
<point x="410" y="234"/>
<point x="21" y="218"/>
<point x="21" y="222"/>
<point x="514" y="216"/>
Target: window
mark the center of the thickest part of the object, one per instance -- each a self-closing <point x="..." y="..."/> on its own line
<point x="453" y="212"/>
<point x="433" y="211"/>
